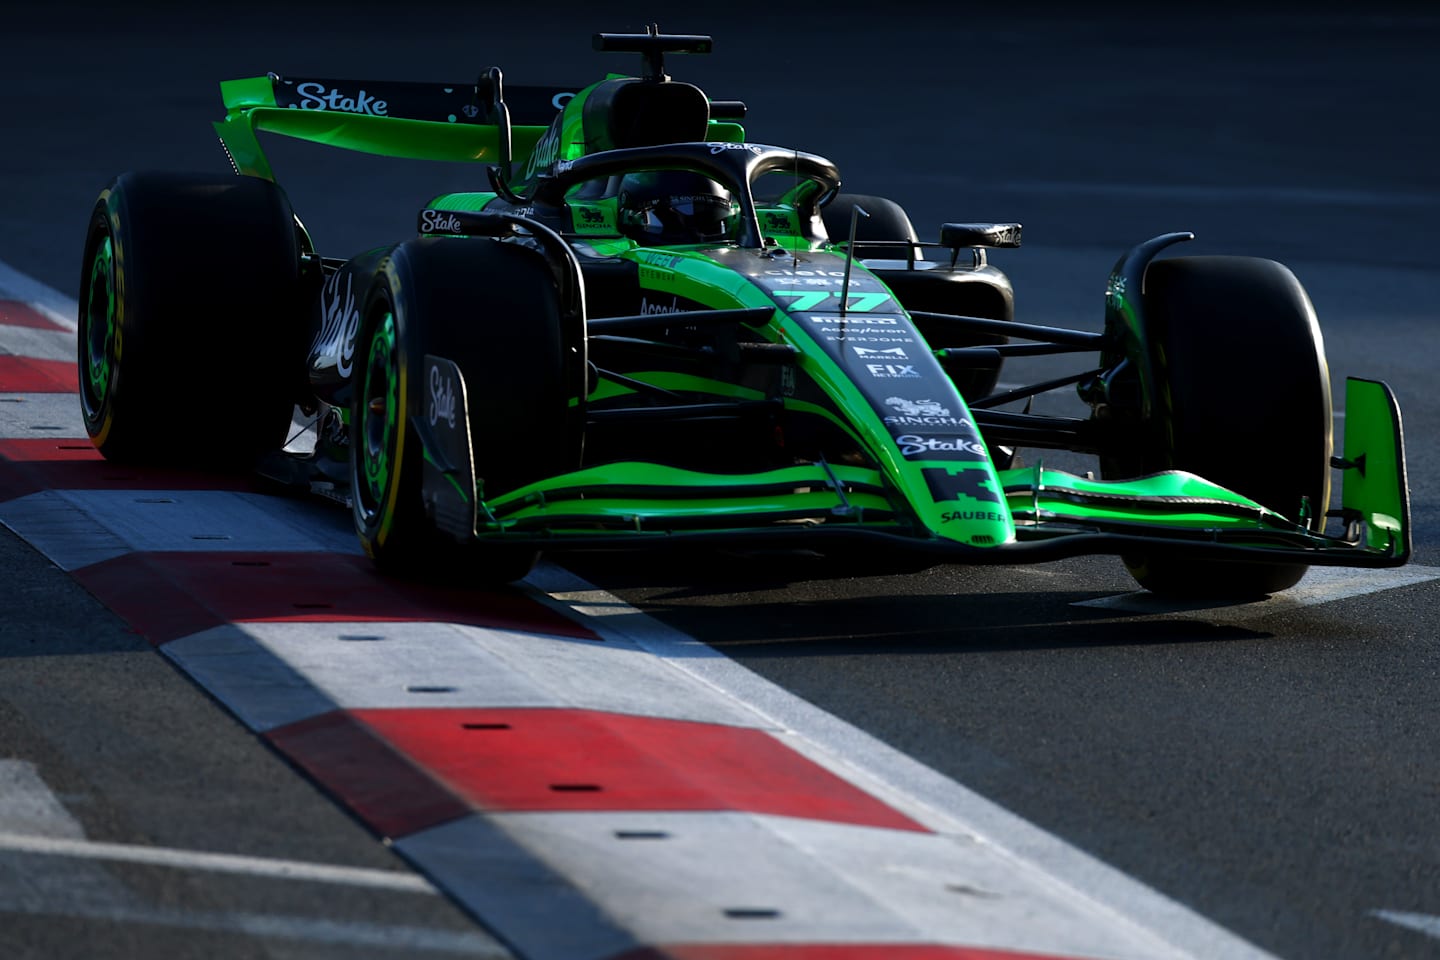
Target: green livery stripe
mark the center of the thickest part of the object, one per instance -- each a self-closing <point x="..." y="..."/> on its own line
<point x="676" y="482"/>
<point x="1174" y="498"/>
<point x="462" y="202"/>
<point x="702" y="511"/>
<point x="381" y="136"/>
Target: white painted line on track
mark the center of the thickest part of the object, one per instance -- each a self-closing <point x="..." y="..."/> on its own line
<point x="809" y="881"/>
<point x="1321" y="585"/>
<point x="76" y="528"/>
<point x="1419" y="922"/>
<point x="34" y="821"/>
<point x="380" y="665"/>
<point x="76" y="888"/>
<point x="273" y="869"/>
<point x="283" y="927"/>
<point x="482" y="868"/>
<point x="58" y="345"/>
<point x="27" y="806"/>
<point x="15" y="285"/>
<point x="941" y="804"/>
<point x="30" y="416"/>
<point x="50" y="523"/>
<point x="259" y="688"/>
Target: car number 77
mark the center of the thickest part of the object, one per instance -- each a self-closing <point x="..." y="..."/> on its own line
<point x="810" y="299"/>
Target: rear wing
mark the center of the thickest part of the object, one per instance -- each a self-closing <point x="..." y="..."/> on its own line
<point x="469" y="102"/>
<point x="421" y="121"/>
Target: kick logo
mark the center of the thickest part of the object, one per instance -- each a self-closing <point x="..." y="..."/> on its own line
<point x="973" y="483"/>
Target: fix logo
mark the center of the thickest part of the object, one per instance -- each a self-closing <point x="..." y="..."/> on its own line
<point x="895" y="371"/>
<point x="974" y="483"/>
<point x="884" y="353"/>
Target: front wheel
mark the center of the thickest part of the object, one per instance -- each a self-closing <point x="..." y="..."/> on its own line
<point x="1243" y="400"/>
<point x="492" y="308"/>
<point x="191" y="323"/>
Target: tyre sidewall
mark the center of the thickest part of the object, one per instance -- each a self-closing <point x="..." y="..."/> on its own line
<point x="1244" y="388"/>
<point x="492" y="309"/>
<point x="209" y="318"/>
<point x="887" y="220"/>
<point x="1242" y="399"/>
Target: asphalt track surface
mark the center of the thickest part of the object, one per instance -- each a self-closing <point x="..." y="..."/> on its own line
<point x="1274" y="767"/>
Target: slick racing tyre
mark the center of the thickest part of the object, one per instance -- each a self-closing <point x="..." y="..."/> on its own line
<point x="1243" y="400"/>
<point x="925" y="290"/>
<point x="192" y="332"/>
<point x="887" y="220"/>
<point x="491" y="308"/>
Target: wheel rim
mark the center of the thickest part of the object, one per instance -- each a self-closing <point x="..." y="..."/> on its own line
<point x="378" y="430"/>
<point x="97" y="320"/>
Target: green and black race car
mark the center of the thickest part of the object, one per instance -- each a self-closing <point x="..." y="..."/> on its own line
<point x="649" y="330"/>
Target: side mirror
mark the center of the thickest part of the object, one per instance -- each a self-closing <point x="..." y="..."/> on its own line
<point x="956" y="235"/>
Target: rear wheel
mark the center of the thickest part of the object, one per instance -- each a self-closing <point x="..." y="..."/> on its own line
<point x="191" y="325"/>
<point x="984" y="292"/>
<point x="492" y="308"/>
<point x="1243" y="400"/>
<point x="887" y="220"/>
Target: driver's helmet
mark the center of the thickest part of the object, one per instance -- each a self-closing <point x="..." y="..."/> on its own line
<point x="672" y="206"/>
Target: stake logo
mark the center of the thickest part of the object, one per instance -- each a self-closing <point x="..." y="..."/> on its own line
<point x="936" y="448"/>
<point x="314" y="96"/>
<point x="442" y="398"/>
<point x="439" y="221"/>
<point x="339" y="320"/>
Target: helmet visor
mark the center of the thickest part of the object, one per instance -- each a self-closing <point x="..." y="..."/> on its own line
<point x="692" y="219"/>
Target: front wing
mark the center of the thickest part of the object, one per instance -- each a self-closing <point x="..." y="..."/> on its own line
<point x="829" y="506"/>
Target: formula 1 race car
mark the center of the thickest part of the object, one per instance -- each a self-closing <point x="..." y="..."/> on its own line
<point x="649" y="330"/>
